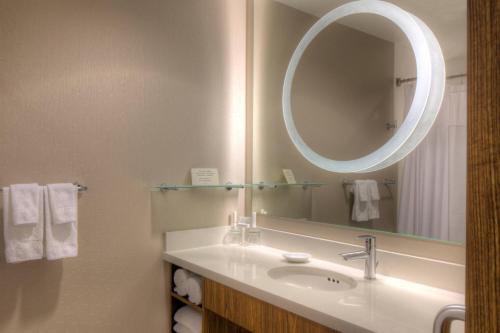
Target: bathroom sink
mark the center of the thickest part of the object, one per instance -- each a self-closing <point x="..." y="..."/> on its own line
<point x="311" y="278"/>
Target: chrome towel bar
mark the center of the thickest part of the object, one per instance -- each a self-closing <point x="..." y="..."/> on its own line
<point x="386" y="182"/>
<point x="446" y="315"/>
<point x="81" y="188"/>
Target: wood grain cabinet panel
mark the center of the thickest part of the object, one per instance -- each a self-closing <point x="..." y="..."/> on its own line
<point x="254" y="315"/>
<point x="282" y="321"/>
<point x="483" y="168"/>
<point x="233" y="305"/>
<point x="213" y="323"/>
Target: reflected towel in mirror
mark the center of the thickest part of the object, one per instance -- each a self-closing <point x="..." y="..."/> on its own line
<point x="366" y="199"/>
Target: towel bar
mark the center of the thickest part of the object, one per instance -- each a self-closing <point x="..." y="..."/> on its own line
<point x="386" y="182"/>
<point x="81" y="188"/>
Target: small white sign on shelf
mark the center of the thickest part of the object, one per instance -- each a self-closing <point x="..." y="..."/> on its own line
<point x="289" y="176"/>
<point x="204" y="176"/>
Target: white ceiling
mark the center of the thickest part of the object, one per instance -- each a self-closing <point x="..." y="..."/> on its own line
<point x="446" y="18"/>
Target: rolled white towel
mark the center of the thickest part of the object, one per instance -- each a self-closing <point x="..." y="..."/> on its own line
<point x="190" y="318"/>
<point x="181" y="277"/>
<point x="179" y="328"/>
<point x="181" y="291"/>
<point x="194" y="289"/>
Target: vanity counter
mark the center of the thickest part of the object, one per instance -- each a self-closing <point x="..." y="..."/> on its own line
<point x="383" y="305"/>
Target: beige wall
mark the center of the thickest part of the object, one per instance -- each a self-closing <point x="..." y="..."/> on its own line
<point x="342" y="98"/>
<point x="118" y="95"/>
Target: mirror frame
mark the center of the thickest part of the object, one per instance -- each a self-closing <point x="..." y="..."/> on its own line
<point x="426" y="103"/>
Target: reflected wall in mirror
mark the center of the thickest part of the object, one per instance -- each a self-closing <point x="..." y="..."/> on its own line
<point x="346" y="103"/>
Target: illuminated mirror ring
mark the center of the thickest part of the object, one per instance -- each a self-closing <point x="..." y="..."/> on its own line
<point x="429" y="90"/>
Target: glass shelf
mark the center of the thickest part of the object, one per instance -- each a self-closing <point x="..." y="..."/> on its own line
<point x="260" y="186"/>
<point x="167" y="187"/>
<point x="304" y="185"/>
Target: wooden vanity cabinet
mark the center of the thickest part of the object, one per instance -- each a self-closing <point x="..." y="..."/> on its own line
<point x="229" y="310"/>
<point x="226" y="310"/>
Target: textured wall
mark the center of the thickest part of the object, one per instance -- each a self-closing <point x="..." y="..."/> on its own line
<point x="118" y="95"/>
<point x="342" y="98"/>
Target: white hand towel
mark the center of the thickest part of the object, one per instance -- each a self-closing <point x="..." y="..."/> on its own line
<point x="22" y="242"/>
<point x="189" y="318"/>
<point x="63" y="202"/>
<point x="372" y="187"/>
<point x="25" y="203"/>
<point x="373" y="203"/>
<point x="359" y="208"/>
<point x="180" y="278"/>
<point x="61" y="239"/>
<point x="366" y="200"/>
<point x="179" y="328"/>
<point x="373" y="210"/>
<point x="362" y="190"/>
<point x="194" y="289"/>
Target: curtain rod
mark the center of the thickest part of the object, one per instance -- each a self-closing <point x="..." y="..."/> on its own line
<point x="400" y="81"/>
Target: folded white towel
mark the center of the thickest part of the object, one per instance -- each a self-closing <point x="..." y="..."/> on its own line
<point x="63" y="202"/>
<point x="179" y="328"/>
<point x="373" y="207"/>
<point x="189" y="318"/>
<point x="22" y="242"/>
<point x="194" y="289"/>
<point x="359" y="210"/>
<point x="366" y="200"/>
<point x="372" y="187"/>
<point x="362" y="190"/>
<point x="25" y="203"/>
<point x="181" y="276"/>
<point x="61" y="239"/>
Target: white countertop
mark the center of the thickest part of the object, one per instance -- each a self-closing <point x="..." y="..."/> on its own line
<point x="383" y="305"/>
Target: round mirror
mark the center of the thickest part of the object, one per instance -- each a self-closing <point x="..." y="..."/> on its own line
<point x="420" y="116"/>
<point x="344" y="87"/>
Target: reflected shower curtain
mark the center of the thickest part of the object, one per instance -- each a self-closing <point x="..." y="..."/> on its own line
<point x="433" y="181"/>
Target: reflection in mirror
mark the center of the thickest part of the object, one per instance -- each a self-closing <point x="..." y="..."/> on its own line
<point x="346" y="103"/>
<point x="343" y="88"/>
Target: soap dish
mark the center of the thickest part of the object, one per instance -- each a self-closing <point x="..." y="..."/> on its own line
<point x="297" y="257"/>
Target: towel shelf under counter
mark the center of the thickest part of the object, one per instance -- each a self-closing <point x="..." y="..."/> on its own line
<point x="225" y="309"/>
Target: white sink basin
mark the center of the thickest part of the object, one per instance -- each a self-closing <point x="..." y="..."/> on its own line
<point x="312" y="278"/>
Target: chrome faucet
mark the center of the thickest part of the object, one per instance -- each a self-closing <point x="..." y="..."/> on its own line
<point x="369" y="254"/>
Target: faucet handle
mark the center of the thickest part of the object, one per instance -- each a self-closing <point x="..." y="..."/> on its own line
<point x="367" y="237"/>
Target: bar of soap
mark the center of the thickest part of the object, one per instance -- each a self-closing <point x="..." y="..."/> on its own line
<point x="297" y="257"/>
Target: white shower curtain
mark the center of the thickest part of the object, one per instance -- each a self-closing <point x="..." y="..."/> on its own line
<point x="433" y="181"/>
